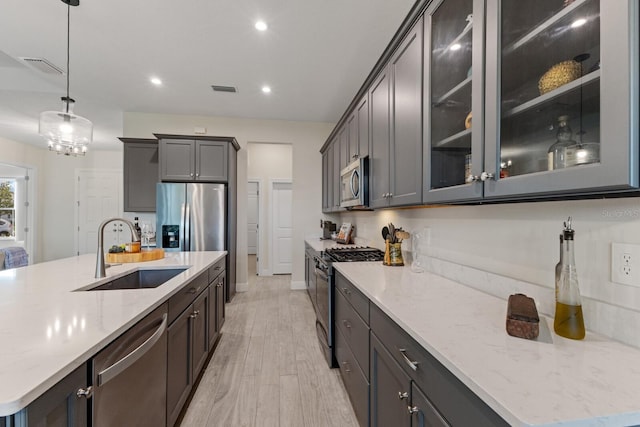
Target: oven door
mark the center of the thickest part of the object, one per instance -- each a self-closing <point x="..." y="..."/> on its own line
<point x="323" y="312"/>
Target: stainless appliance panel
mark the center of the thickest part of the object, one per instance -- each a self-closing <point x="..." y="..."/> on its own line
<point x="206" y="217"/>
<point x="354" y="187"/>
<point x="170" y="216"/>
<point x="132" y="369"/>
<point x="324" y="311"/>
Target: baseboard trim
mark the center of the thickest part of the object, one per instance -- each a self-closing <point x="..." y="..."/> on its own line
<point x="297" y="285"/>
<point x="242" y="287"/>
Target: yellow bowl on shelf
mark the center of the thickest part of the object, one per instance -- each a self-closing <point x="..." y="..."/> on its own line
<point x="559" y="75"/>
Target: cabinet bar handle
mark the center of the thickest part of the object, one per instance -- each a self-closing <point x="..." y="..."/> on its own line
<point x="346" y="291"/>
<point x="412" y="409"/>
<point x="412" y="363"/>
<point x="346" y="324"/>
<point x="345" y="364"/>
<point x="403" y="395"/>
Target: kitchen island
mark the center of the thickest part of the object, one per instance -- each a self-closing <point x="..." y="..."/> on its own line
<point x="550" y="381"/>
<point x="49" y="327"/>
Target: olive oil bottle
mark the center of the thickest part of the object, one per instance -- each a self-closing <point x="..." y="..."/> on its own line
<point x="568" y="321"/>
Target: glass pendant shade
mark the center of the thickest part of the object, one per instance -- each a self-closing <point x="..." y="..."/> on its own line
<point x="66" y="132"/>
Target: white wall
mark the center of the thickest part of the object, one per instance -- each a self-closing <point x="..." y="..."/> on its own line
<point x="55" y="185"/>
<point x="306" y="139"/>
<point x="519" y="242"/>
<point x="266" y="162"/>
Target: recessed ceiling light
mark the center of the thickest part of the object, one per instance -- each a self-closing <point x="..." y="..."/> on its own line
<point x="156" y="81"/>
<point x="578" y="23"/>
<point x="456" y="46"/>
<point x="266" y="89"/>
<point x="261" y="26"/>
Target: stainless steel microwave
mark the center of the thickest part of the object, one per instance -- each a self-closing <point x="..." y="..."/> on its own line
<point x="354" y="184"/>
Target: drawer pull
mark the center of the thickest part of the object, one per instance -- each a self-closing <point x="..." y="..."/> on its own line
<point x="346" y="364"/>
<point x="403" y="395"/>
<point x="346" y="324"/>
<point x="346" y="291"/>
<point x="412" y="410"/>
<point x="412" y="363"/>
<point x="192" y="291"/>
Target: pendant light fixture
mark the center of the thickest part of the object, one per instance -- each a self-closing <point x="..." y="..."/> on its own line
<point x="66" y="132"/>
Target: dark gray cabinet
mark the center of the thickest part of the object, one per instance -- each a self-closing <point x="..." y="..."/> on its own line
<point x="60" y="406"/>
<point x="179" y="372"/>
<point x="406" y="121"/>
<point x="331" y="166"/>
<point x="200" y="347"/>
<point x="445" y="393"/>
<point x="390" y="389"/>
<point x="215" y="315"/>
<point x="379" y="164"/>
<point x="188" y="342"/>
<point x="352" y="345"/>
<point x="396" y="127"/>
<point x="358" y="129"/>
<point x="140" y="174"/>
<point x="343" y="141"/>
<point x="193" y="160"/>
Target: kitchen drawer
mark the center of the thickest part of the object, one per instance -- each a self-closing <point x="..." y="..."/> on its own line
<point x="354" y="330"/>
<point x="186" y="295"/>
<point x="447" y="393"/>
<point x="353" y="295"/>
<point x="354" y="380"/>
<point x="217" y="268"/>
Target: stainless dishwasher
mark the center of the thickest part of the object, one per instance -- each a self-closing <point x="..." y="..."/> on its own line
<point x="130" y="376"/>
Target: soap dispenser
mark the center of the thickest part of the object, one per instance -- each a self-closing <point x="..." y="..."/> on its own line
<point x="568" y="321"/>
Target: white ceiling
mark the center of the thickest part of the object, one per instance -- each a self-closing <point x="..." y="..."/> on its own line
<point x="315" y="55"/>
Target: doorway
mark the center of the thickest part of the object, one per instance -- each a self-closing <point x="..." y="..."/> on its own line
<point x="266" y="163"/>
<point x="282" y="227"/>
<point x="253" y="220"/>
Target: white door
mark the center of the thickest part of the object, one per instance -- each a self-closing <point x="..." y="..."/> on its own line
<point x="252" y="218"/>
<point x="99" y="197"/>
<point x="282" y="231"/>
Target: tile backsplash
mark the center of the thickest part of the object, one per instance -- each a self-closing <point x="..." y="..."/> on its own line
<point x="505" y="248"/>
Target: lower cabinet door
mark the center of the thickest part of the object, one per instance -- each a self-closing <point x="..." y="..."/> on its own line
<point x="354" y="380"/>
<point x="423" y="414"/>
<point x="220" y="300"/>
<point x="200" y="343"/>
<point x="212" y="320"/>
<point x="58" y="407"/>
<point x="179" y="372"/>
<point x="390" y="389"/>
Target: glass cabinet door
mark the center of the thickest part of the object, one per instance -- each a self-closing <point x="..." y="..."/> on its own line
<point x="453" y="100"/>
<point x="546" y="66"/>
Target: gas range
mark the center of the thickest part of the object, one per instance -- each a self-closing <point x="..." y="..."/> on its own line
<point x="353" y="254"/>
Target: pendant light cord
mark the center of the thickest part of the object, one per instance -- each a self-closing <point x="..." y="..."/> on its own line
<point x="68" y="44"/>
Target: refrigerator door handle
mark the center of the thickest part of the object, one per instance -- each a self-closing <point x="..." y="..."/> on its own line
<point x="187" y="228"/>
<point x="183" y="208"/>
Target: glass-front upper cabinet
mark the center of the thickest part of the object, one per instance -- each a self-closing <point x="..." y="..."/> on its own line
<point x="561" y="97"/>
<point x="453" y="99"/>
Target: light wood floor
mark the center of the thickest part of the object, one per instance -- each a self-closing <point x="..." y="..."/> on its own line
<point x="268" y="369"/>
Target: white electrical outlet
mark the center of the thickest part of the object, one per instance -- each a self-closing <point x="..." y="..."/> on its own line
<point x="625" y="264"/>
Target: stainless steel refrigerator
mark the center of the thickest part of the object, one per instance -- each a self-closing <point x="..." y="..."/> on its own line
<point x="195" y="217"/>
<point x="191" y="217"/>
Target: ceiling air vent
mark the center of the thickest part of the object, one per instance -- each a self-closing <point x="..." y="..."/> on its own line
<point x="229" y="89"/>
<point x="42" y="65"/>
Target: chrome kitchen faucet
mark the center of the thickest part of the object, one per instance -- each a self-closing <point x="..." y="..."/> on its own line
<point x="100" y="266"/>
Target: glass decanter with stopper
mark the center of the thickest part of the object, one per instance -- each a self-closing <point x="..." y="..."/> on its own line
<point x="568" y="321"/>
<point x="556" y="155"/>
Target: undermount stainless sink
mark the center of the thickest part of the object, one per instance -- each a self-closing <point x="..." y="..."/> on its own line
<point x="141" y="279"/>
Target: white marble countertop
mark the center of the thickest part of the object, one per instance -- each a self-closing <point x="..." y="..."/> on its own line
<point x="551" y="381"/>
<point x="48" y="330"/>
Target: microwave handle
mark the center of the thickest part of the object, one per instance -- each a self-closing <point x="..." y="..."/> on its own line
<point x="354" y="192"/>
